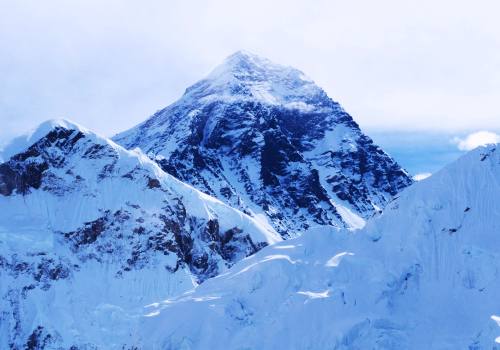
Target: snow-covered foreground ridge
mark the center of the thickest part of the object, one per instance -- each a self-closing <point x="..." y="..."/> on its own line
<point x="266" y="139"/>
<point x="423" y="275"/>
<point x="90" y="232"/>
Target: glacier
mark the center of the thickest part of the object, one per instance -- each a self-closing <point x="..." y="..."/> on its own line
<point x="422" y="275"/>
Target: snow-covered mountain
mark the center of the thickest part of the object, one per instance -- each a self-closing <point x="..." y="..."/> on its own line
<point x="264" y="138"/>
<point x="423" y="275"/>
<point x="90" y="232"/>
<point x="105" y="248"/>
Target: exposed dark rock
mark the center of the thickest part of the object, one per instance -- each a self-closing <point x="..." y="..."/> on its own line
<point x="87" y="234"/>
<point x="153" y="183"/>
<point x="247" y="136"/>
<point x="39" y="339"/>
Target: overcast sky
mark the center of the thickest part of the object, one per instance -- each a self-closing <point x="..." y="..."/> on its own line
<point x="413" y="65"/>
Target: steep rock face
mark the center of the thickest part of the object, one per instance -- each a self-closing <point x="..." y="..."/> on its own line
<point x="89" y="230"/>
<point x="264" y="138"/>
<point x="423" y="275"/>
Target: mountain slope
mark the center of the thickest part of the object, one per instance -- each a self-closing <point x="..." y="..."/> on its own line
<point x="89" y="232"/>
<point x="264" y="138"/>
<point x="423" y="275"/>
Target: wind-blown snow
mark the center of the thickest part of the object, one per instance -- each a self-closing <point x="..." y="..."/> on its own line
<point x="421" y="176"/>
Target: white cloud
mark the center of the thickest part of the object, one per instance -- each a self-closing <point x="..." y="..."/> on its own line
<point x="476" y="139"/>
<point x="421" y="176"/>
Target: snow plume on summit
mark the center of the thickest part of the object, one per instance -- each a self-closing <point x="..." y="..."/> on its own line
<point x="264" y="138"/>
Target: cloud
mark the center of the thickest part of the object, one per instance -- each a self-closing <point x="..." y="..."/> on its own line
<point x="476" y="139"/>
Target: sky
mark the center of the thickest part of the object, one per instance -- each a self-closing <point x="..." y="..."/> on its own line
<point x="398" y="67"/>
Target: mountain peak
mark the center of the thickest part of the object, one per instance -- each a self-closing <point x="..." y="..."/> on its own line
<point x="246" y="61"/>
<point x="247" y="76"/>
<point x="75" y="207"/>
<point x="22" y="142"/>
<point x="264" y="138"/>
<point x="243" y="63"/>
<point x="51" y="124"/>
<point x="242" y="55"/>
